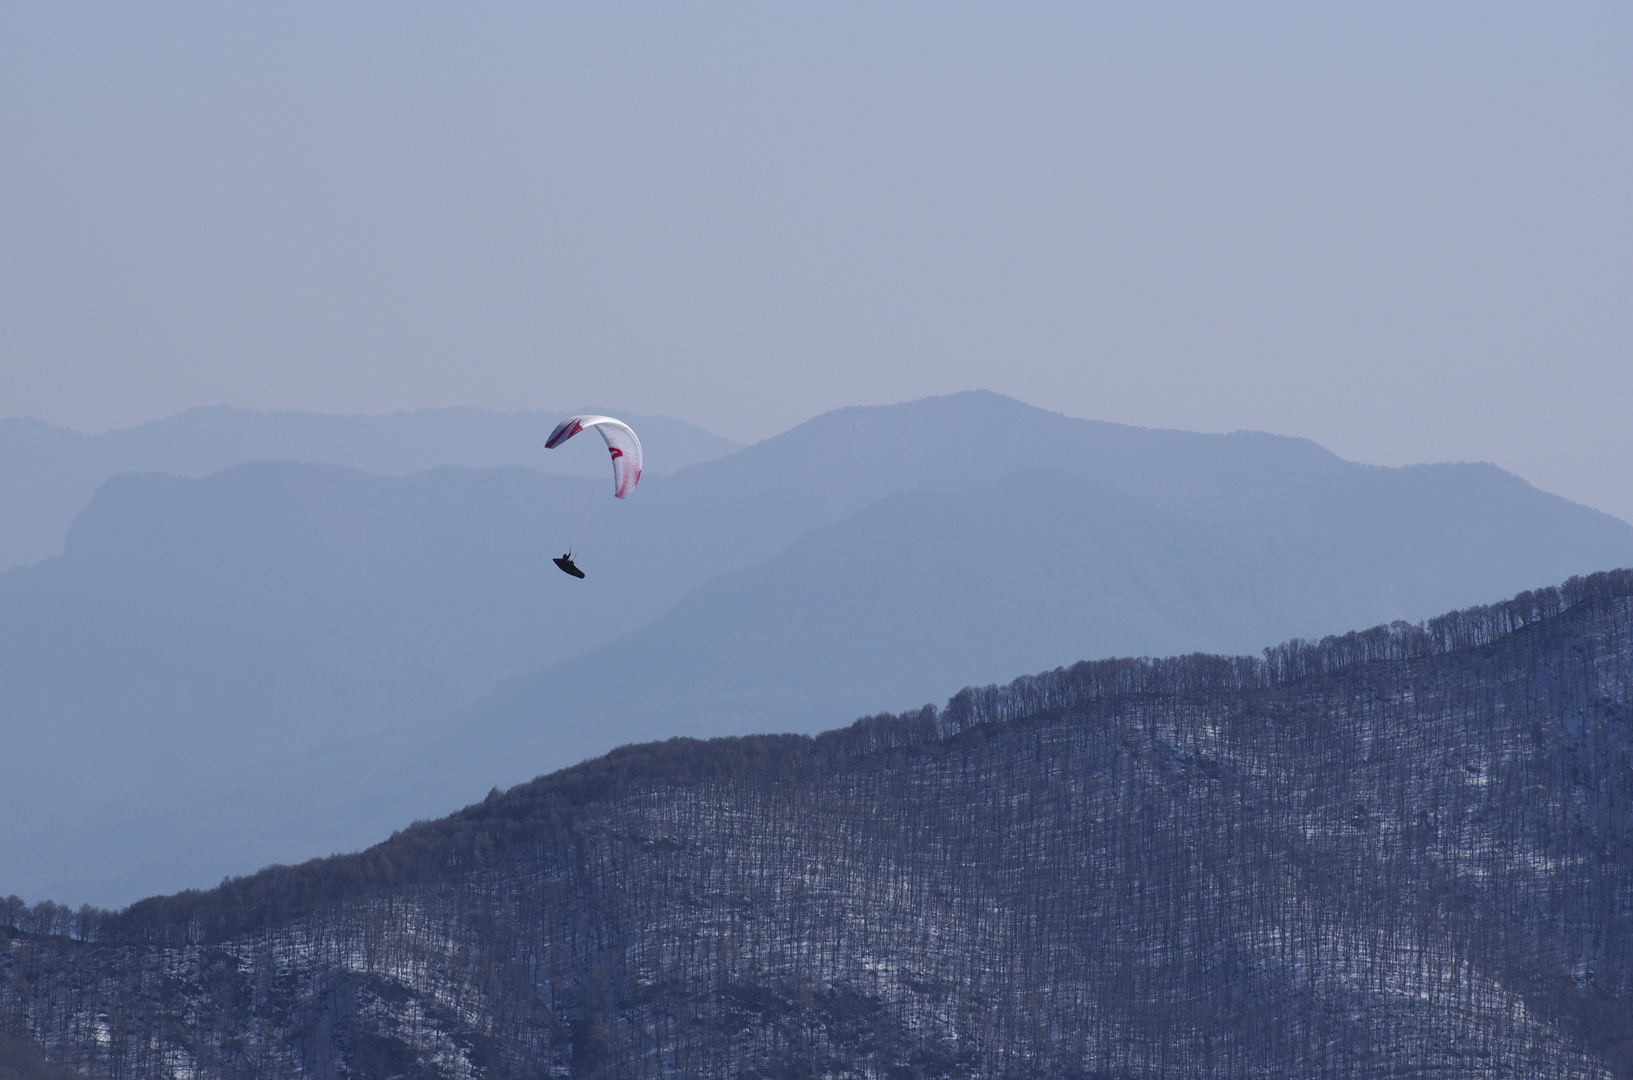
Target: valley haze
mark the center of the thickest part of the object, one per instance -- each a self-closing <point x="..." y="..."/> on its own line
<point x="283" y="659"/>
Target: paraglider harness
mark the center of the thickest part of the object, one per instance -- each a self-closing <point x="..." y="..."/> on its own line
<point x="566" y="565"/>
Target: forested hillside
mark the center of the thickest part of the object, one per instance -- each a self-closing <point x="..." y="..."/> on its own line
<point x="1405" y="852"/>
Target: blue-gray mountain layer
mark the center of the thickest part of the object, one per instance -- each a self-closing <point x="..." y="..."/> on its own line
<point x="282" y="660"/>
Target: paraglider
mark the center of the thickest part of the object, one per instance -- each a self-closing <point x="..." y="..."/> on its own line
<point x="625" y="449"/>
<point x="622" y="444"/>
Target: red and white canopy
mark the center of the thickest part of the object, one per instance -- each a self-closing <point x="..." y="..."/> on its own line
<point x="622" y="444"/>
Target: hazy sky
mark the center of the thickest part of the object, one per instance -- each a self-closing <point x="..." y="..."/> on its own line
<point x="1403" y="230"/>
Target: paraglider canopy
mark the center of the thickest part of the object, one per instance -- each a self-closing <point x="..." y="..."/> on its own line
<point x="622" y="444"/>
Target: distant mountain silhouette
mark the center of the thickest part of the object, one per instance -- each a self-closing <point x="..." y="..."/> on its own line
<point x="285" y="659"/>
<point x="1457" y="532"/>
<point x="48" y="474"/>
<point x="913" y="596"/>
<point x="905" y="601"/>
